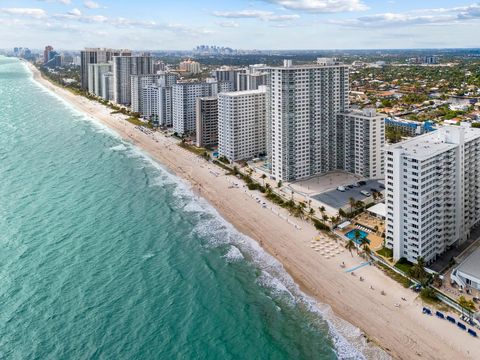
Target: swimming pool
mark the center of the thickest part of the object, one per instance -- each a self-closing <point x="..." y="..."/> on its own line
<point x="351" y="235"/>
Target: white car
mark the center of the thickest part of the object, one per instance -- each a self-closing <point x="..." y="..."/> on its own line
<point x="365" y="192"/>
<point x="341" y="188"/>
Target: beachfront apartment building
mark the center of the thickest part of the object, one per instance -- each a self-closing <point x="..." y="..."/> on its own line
<point x="157" y="99"/>
<point x="184" y="100"/>
<point x="206" y="122"/>
<point x="432" y="192"/>
<point x="123" y="68"/>
<point x="138" y="84"/>
<point x="95" y="76"/>
<point x="97" y="56"/>
<point x="107" y="86"/>
<point x="303" y="102"/>
<point x="361" y="142"/>
<point x="242" y="124"/>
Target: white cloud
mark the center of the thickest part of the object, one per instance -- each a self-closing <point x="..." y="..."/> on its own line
<point x="229" y="24"/>
<point x="91" y="4"/>
<point x="255" y="14"/>
<point x="75" y="12"/>
<point x="29" y="12"/>
<point x="65" y="2"/>
<point x="444" y="16"/>
<point x="321" y="6"/>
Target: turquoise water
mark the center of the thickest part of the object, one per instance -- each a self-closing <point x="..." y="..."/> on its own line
<point x="105" y="255"/>
<point x="351" y="235"/>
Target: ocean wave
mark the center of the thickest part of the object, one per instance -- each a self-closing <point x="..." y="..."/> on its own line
<point x="120" y="147"/>
<point x="233" y="255"/>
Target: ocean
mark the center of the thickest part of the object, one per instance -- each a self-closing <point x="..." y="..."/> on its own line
<point x="106" y="255"/>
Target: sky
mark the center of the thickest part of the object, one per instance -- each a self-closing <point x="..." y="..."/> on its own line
<point x="239" y="24"/>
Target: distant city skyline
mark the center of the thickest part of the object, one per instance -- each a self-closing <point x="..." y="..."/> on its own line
<point x="240" y="24"/>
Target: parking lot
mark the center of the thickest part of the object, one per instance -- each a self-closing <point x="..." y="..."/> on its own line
<point x="338" y="199"/>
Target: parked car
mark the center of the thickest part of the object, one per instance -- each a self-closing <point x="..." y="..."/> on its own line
<point x="373" y="190"/>
<point x="381" y="186"/>
<point x="349" y="187"/>
<point x="362" y="183"/>
<point x="341" y="188"/>
<point x="365" y="192"/>
<point x="356" y="184"/>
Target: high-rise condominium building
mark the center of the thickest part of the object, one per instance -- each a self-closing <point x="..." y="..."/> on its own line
<point x="96" y="56"/>
<point x="138" y="84"/>
<point x="123" y="68"/>
<point x="302" y="107"/>
<point x="207" y="122"/>
<point x="46" y="53"/>
<point x="226" y="73"/>
<point x="190" y="66"/>
<point x="157" y="99"/>
<point x="242" y="124"/>
<point x="361" y="141"/>
<point x="184" y="97"/>
<point x="250" y="81"/>
<point x="432" y="192"/>
<point x="95" y="77"/>
<point x="107" y="86"/>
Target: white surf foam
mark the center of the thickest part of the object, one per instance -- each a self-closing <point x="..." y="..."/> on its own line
<point x="233" y="255"/>
<point x="120" y="147"/>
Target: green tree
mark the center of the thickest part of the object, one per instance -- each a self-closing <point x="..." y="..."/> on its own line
<point x="418" y="269"/>
<point x="350" y="245"/>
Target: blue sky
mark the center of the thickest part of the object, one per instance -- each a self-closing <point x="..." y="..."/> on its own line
<point x="243" y="24"/>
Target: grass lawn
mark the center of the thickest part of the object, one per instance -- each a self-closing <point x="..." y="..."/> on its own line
<point x="385" y="252"/>
<point x="404" y="266"/>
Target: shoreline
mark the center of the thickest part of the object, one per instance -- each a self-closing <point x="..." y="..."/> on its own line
<point x="403" y="332"/>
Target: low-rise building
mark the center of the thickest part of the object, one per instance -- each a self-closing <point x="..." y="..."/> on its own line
<point x="467" y="274"/>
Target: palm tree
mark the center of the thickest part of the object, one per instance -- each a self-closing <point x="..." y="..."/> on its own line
<point x="365" y="246"/>
<point x="263" y="178"/>
<point x="358" y="237"/>
<point x="418" y="269"/>
<point x="311" y="212"/>
<point x="322" y="209"/>
<point x="352" y="203"/>
<point x="350" y="245"/>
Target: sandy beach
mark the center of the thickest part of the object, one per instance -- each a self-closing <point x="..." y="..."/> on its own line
<point x="403" y="332"/>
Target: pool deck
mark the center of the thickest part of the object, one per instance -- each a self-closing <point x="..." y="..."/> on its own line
<point x="376" y="241"/>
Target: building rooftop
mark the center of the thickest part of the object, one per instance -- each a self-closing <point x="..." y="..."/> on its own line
<point x="364" y="114"/>
<point x="433" y="143"/>
<point x="378" y="209"/>
<point x="321" y="63"/>
<point x="471" y="265"/>
<point x="242" y="93"/>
